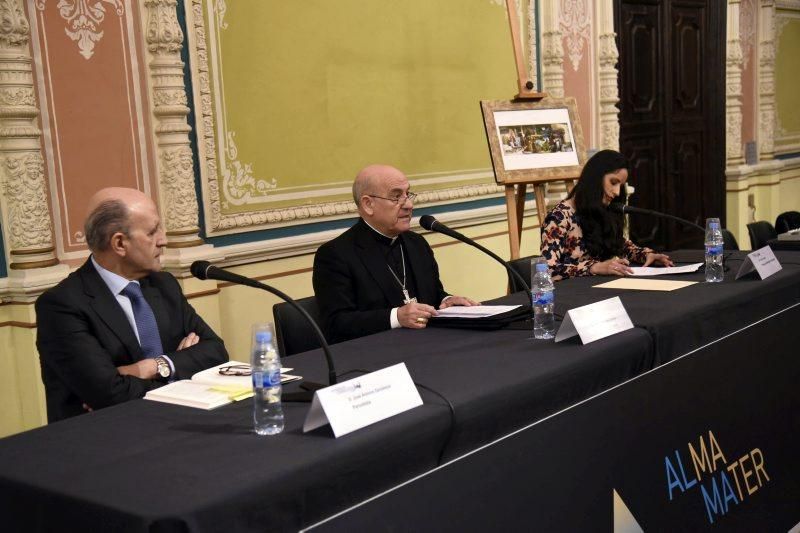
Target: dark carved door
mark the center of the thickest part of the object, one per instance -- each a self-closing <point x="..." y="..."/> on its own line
<point x="672" y="111"/>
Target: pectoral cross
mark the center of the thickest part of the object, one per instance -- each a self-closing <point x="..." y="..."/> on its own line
<point x="407" y="299"/>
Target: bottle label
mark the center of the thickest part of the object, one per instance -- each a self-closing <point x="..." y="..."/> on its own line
<point x="267" y="379"/>
<point x="544" y="298"/>
<point x="714" y="250"/>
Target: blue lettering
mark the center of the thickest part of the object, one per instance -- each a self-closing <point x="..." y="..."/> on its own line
<point x="716" y="504"/>
<point x="727" y="490"/>
<point x="686" y="484"/>
<point x="672" y="478"/>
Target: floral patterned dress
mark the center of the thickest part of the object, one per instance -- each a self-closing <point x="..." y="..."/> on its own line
<point x="563" y="247"/>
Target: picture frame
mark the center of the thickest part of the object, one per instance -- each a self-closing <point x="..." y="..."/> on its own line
<point x="534" y="141"/>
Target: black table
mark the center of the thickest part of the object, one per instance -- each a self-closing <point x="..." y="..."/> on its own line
<point x="791" y="244"/>
<point x="688" y="318"/>
<point x="146" y="465"/>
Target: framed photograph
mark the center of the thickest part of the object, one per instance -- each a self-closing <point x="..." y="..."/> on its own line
<point x="534" y="141"/>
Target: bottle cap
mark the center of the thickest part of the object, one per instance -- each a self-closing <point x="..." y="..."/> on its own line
<point x="541" y="267"/>
<point x="263" y="336"/>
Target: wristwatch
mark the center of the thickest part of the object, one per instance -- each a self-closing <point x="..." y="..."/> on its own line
<point x="163" y="368"/>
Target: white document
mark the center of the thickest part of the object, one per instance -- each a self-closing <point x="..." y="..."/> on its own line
<point x="362" y="401"/>
<point x="660" y="271"/>
<point x="190" y="394"/>
<point x="474" y="311"/>
<point x="762" y="261"/>
<point x="595" y="321"/>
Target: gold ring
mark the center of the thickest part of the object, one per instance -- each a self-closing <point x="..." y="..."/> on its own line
<point x="420" y="320"/>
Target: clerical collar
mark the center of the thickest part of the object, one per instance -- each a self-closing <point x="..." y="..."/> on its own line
<point x="381" y="237"/>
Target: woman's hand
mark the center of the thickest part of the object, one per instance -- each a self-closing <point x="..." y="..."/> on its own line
<point x="611" y="267"/>
<point x="659" y="259"/>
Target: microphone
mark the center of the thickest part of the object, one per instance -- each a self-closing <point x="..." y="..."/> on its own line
<point x="205" y="270"/>
<point x="431" y="224"/>
<point x="619" y="207"/>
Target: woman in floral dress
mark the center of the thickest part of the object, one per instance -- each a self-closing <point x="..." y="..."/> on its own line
<point x="582" y="237"/>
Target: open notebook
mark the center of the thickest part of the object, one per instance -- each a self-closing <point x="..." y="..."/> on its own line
<point x="210" y="389"/>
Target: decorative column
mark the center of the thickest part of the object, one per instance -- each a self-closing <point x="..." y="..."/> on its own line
<point x="552" y="73"/>
<point x="766" y="80"/>
<point x="608" y="56"/>
<point x="733" y="88"/>
<point x="175" y="159"/>
<point x="22" y="181"/>
<point x="552" y="49"/>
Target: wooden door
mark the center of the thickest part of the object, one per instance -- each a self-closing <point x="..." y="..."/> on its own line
<point x="672" y="111"/>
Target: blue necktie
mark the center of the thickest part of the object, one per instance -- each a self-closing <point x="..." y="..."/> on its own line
<point x="145" y="320"/>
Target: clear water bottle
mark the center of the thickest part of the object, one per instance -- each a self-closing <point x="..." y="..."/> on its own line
<point x="266" y="368"/>
<point x="714" y="268"/>
<point x="544" y="325"/>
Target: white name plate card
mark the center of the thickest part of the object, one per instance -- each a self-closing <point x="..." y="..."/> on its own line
<point x="595" y="321"/>
<point x="762" y="261"/>
<point x="359" y="402"/>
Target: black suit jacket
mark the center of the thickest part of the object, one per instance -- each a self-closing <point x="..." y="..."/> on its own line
<point x="354" y="288"/>
<point x="83" y="335"/>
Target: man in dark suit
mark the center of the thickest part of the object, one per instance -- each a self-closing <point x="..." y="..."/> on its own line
<point x="117" y="327"/>
<point x="378" y="275"/>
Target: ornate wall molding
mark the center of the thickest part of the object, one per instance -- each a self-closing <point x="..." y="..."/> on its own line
<point x="607" y="57"/>
<point x="552" y="49"/>
<point x="229" y="182"/>
<point x="747" y="29"/>
<point x="733" y="84"/>
<point x="83" y="19"/>
<point x="22" y="180"/>
<point x="766" y="80"/>
<point x="575" y="24"/>
<point x="175" y="160"/>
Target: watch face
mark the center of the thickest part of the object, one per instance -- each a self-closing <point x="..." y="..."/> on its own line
<point x="163" y="368"/>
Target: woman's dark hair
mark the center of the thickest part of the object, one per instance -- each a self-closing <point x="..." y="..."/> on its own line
<point x="602" y="229"/>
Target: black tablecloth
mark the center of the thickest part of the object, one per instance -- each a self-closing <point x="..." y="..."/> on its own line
<point x="146" y="465"/>
<point x="687" y="318"/>
<point x="777" y="244"/>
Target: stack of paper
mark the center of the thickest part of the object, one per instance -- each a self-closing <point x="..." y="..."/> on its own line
<point x="210" y="389"/>
<point x="474" y="311"/>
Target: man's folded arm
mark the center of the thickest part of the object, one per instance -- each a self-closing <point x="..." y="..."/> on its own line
<point x="209" y="351"/>
<point x="69" y="348"/>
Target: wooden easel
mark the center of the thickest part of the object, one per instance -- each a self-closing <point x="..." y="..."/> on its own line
<point x="516" y="192"/>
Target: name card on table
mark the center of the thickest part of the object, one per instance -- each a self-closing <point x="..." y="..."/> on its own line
<point x="762" y="261"/>
<point x="595" y="321"/>
<point x="359" y="402"/>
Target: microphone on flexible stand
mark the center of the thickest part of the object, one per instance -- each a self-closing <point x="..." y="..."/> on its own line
<point x="619" y="207"/>
<point x="431" y="224"/>
<point x="205" y="270"/>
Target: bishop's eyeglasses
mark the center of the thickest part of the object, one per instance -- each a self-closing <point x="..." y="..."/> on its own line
<point x="397" y="199"/>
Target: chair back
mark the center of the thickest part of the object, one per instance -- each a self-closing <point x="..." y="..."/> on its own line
<point x="294" y="333"/>
<point x="760" y="232"/>
<point x="787" y="221"/>
<point x="523" y="267"/>
<point x="729" y="241"/>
